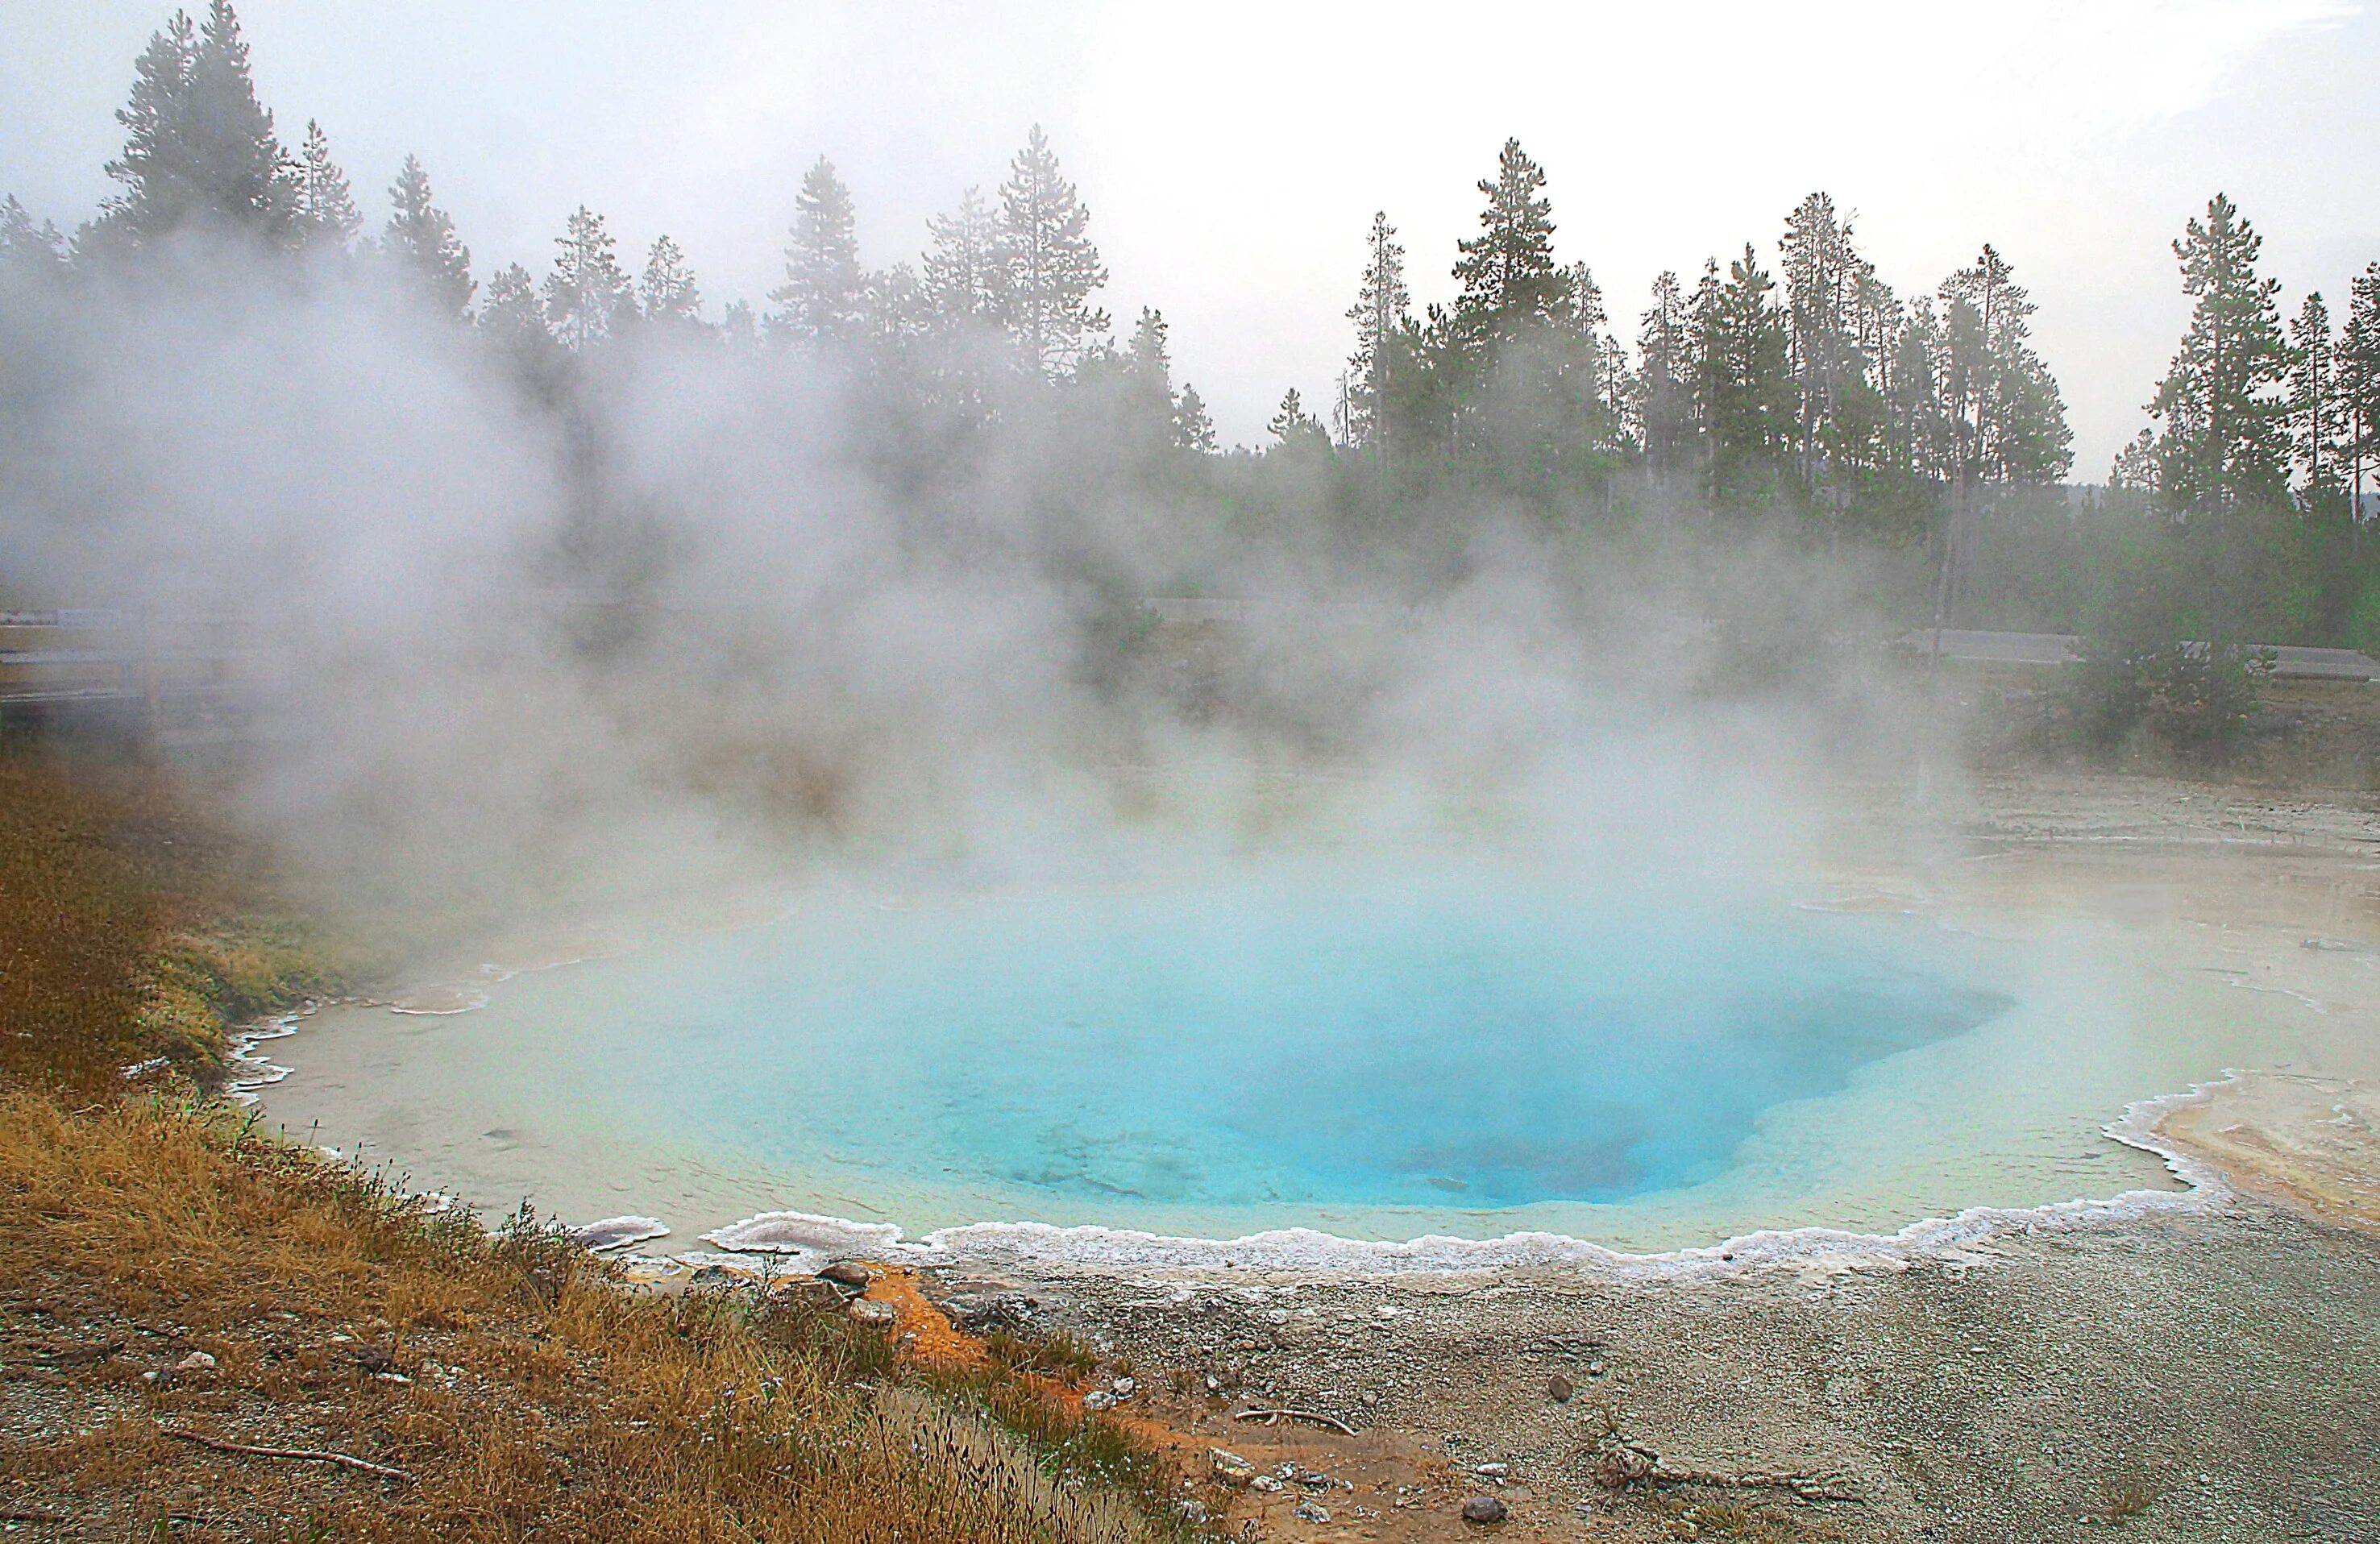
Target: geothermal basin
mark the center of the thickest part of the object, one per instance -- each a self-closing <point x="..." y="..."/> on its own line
<point x="1374" y="1051"/>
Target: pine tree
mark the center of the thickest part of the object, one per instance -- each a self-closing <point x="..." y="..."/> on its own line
<point x="2135" y="467"/>
<point x="1295" y="428"/>
<point x="1383" y="307"/>
<point x="824" y="291"/>
<point x="26" y="248"/>
<point x="667" y="296"/>
<point x="201" y="149"/>
<point x="1665" y="402"/>
<point x="420" y="240"/>
<point x="2225" y="443"/>
<point x="325" y="211"/>
<point x="1193" y="429"/>
<point x="2316" y="428"/>
<point x="1510" y="280"/>
<point x="963" y="275"/>
<point x="2359" y="372"/>
<point x="1049" y="267"/>
<point x="160" y="185"/>
<point x="2007" y="414"/>
<point x="585" y="290"/>
<point x="510" y="313"/>
<point x="1820" y="269"/>
<point x="739" y="327"/>
<point x="1149" y="365"/>
<point x="245" y="175"/>
<point x="1743" y="382"/>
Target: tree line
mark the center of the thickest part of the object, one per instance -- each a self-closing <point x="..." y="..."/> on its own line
<point x="1803" y="391"/>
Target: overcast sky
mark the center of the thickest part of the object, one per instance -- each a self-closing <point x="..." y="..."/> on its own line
<point x="1232" y="153"/>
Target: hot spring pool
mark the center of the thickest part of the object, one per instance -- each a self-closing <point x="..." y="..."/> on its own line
<point x="1364" y="1049"/>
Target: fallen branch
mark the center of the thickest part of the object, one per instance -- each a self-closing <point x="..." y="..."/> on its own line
<point x="1619" y="1463"/>
<point x="1274" y="1417"/>
<point x="18" y="1515"/>
<point x="310" y="1456"/>
<point x="1809" y="1487"/>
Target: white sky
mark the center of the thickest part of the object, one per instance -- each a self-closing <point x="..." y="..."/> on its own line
<point x="1232" y="153"/>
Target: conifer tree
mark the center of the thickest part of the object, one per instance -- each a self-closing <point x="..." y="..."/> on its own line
<point x="739" y="327"/>
<point x="2315" y="405"/>
<point x="1382" y="307"/>
<point x="2224" y="442"/>
<point x="1192" y="429"/>
<point x="821" y="299"/>
<point x="26" y="248"/>
<point x="420" y="240"/>
<point x="2005" y="410"/>
<point x="1665" y="403"/>
<point x="1744" y="381"/>
<point x="200" y="147"/>
<point x="2135" y="467"/>
<point x="2359" y="372"/>
<point x="587" y="289"/>
<point x="510" y="311"/>
<point x="963" y="275"/>
<point x="667" y="296"/>
<point x="324" y="214"/>
<point x="1510" y="280"/>
<point x="160" y="185"/>
<point x="1049" y="267"/>
<point x="1295" y="428"/>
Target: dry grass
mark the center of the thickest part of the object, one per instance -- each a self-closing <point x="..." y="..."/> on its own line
<point x="525" y="1393"/>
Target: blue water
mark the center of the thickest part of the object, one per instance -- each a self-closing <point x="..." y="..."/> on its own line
<point x="1344" y="1039"/>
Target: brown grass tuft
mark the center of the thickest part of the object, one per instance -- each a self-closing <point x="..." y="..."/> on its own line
<point x="524" y="1390"/>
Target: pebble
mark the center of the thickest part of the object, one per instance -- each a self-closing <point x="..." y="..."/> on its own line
<point x="1124" y="1388"/>
<point x="1309" y="1513"/>
<point x="1485" y="1509"/>
<point x="1264" y="1482"/>
<point x="1098" y="1399"/>
<point x="1558" y="1390"/>
<point x="1492" y="1471"/>
<point x="847" y="1272"/>
<point x="197" y="1361"/>
<point x="1229" y="1468"/>
<point x="876" y="1316"/>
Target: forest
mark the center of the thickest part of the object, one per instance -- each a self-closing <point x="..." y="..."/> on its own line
<point x="1789" y="394"/>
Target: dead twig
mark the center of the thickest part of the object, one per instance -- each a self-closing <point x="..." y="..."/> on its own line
<point x="1809" y="1487"/>
<point x="19" y="1514"/>
<point x="1274" y="1417"/>
<point x="310" y="1456"/>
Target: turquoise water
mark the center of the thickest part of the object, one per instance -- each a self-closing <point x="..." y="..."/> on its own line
<point x="1331" y="1040"/>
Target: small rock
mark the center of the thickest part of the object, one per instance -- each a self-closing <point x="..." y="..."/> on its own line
<point x="1124" y="1387"/>
<point x="1266" y="1483"/>
<point x="875" y="1315"/>
<point x="390" y="1378"/>
<point x="1595" y="1369"/>
<point x="1098" y="1399"/>
<point x="374" y="1358"/>
<point x="1192" y="1511"/>
<point x="1485" y="1509"/>
<point x="1558" y="1390"/>
<point x="1312" y="1480"/>
<point x="1308" y="1511"/>
<point x="1497" y="1472"/>
<point x="810" y="1292"/>
<point x="197" y="1361"/>
<point x="1229" y="1468"/>
<point x="161" y="1377"/>
<point x="847" y="1272"/>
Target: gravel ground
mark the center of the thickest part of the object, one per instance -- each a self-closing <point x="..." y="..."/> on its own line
<point x="2213" y="1377"/>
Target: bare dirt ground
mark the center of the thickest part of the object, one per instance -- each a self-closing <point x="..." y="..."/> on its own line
<point x="2208" y="1377"/>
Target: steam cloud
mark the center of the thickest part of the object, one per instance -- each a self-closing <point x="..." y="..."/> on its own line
<point x="710" y="610"/>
